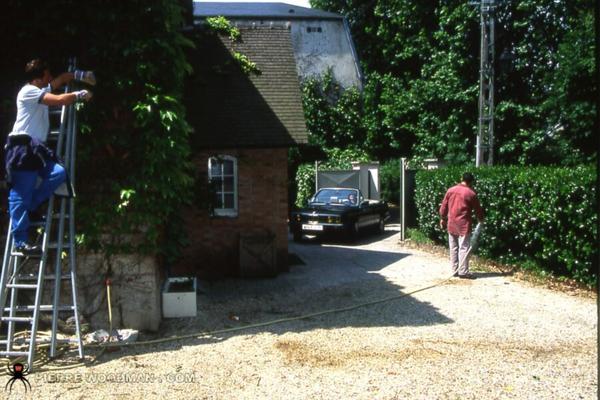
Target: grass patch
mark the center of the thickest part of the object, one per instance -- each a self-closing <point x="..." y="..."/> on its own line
<point x="418" y="237"/>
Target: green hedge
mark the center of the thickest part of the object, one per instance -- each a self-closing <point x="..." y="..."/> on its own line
<point x="539" y="217"/>
<point x="389" y="178"/>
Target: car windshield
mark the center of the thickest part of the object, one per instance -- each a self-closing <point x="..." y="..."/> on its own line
<point x="347" y="197"/>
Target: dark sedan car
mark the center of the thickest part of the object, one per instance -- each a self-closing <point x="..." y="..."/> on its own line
<point x="342" y="210"/>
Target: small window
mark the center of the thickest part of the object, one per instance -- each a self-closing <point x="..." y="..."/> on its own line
<point x="222" y="176"/>
<point x="311" y="29"/>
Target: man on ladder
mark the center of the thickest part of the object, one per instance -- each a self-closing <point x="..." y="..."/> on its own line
<point x="27" y="157"/>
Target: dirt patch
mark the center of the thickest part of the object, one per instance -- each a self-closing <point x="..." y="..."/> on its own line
<point x="514" y="350"/>
<point x="306" y="354"/>
<point x="297" y="352"/>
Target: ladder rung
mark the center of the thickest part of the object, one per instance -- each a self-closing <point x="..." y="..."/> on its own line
<point x="45" y="307"/>
<point x="54" y="132"/>
<point x="17" y="254"/>
<point x="43" y="223"/>
<point x="17" y="319"/>
<point x="55" y="111"/>
<point x="21" y="286"/>
<point x="14" y="353"/>
<point x="32" y="277"/>
<point x="54" y="245"/>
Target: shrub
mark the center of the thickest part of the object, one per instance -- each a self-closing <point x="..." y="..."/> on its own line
<point x="541" y="215"/>
<point x="389" y="179"/>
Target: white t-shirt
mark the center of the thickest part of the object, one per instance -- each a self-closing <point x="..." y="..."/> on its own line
<point x="32" y="115"/>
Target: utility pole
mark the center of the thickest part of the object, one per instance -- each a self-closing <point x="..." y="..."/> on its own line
<point x="485" y="129"/>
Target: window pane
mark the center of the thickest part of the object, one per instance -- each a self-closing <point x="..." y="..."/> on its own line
<point x="228" y="167"/>
<point x="217" y="200"/>
<point x="229" y="200"/>
<point x="217" y="183"/>
<point x="215" y="167"/>
<point x="228" y="184"/>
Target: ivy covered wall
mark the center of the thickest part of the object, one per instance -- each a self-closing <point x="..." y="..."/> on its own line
<point x="133" y="170"/>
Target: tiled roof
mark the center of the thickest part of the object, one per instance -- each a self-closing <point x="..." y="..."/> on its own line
<point x="230" y="108"/>
<point x="204" y="9"/>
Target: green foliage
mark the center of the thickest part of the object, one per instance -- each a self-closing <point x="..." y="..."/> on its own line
<point x="421" y="62"/>
<point x="418" y="237"/>
<point x="334" y="119"/>
<point x="546" y="95"/>
<point x="247" y="66"/>
<point x="334" y="116"/>
<point x="337" y="159"/>
<point x="544" y="216"/>
<point x="133" y="169"/>
<point x="389" y="179"/>
<point x="222" y="25"/>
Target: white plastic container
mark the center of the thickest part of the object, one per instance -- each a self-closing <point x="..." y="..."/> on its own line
<point x="179" y="297"/>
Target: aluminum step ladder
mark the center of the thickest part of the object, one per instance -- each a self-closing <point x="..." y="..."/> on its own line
<point x="30" y="273"/>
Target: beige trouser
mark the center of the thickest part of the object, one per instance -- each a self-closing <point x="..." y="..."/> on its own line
<point x="459" y="245"/>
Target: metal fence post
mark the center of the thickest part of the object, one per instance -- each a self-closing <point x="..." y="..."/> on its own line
<point x="402" y="198"/>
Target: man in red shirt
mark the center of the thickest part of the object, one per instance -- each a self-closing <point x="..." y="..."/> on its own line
<point x="459" y="203"/>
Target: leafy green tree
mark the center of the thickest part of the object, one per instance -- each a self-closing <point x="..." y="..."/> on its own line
<point x="334" y="117"/>
<point x="422" y="59"/>
<point x="545" y="95"/>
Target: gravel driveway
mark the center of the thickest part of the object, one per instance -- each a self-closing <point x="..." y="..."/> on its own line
<point x="491" y="338"/>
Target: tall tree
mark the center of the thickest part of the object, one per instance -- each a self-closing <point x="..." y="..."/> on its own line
<point x="421" y="61"/>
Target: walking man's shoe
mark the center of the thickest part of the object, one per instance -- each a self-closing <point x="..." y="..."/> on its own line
<point x="28" y="250"/>
<point x="467" y="276"/>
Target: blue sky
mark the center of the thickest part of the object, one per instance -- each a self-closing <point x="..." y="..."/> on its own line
<point x="301" y="3"/>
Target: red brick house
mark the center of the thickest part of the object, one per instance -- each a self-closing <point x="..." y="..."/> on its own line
<point x="244" y="123"/>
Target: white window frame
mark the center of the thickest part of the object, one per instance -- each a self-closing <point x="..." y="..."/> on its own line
<point x="225" y="212"/>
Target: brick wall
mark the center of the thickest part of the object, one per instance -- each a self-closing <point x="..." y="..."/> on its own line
<point x="213" y="250"/>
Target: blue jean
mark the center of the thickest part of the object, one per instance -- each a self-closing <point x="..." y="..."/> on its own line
<point x="24" y="196"/>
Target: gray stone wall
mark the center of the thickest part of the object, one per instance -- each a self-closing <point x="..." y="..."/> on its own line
<point x="135" y="291"/>
<point x="320" y="45"/>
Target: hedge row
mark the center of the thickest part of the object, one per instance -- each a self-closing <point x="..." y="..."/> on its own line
<point x="389" y="179"/>
<point x="539" y="217"/>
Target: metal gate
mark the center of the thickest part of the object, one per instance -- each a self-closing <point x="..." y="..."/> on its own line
<point x="346" y="179"/>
